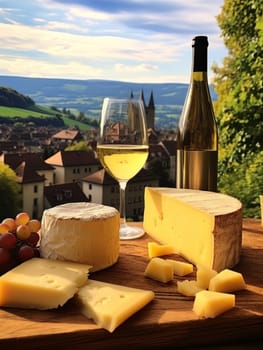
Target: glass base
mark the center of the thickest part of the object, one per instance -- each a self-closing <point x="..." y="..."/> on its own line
<point x="130" y="232"/>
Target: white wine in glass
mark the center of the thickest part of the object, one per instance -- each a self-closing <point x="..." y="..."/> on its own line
<point x="123" y="148"/>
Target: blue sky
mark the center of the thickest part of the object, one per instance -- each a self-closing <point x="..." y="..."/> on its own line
<point x="128" y="40"/>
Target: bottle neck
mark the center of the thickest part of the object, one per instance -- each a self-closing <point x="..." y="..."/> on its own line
<point x="199" y="76"/>
<point x="199" y="54"/>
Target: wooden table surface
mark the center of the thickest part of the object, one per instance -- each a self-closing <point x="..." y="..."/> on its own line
<point x="167" y="322"/>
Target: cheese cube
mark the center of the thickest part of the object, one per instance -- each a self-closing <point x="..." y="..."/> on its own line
<point x="204" y="227"/>
<point x="181" y="268"/>
<point x="227" y="281"/>
<point x="188" y="288"/>
<point x="155" y="249"/>
<point x="109" y="305"/>
<point x="41" y="283"/>
<point x="160" y="270"/>
<point x="204" y="275"/>
<point x="209" y="304"/>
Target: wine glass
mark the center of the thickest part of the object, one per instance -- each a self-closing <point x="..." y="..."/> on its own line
<point x="123" y="148"/>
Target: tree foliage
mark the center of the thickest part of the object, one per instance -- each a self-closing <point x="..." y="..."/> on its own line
<point x="11" y="98"/>
<point x="239" y="108"/>
<point x="9" y="192"/>
<point x="79" y="146"/>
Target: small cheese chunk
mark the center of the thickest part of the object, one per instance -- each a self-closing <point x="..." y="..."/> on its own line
<point x="155" y="249"/>
<point x="227" y="281"/>
<point x="160" y="270"/>
<point x="188" y="288"/>
<point x="109" y="305"/>
<point x="181" y="268"/>
<point x="204" y="275"/>
<point x="204" y="227"/>
<point x="209" y="304"/>
<point x="41" y="284"/>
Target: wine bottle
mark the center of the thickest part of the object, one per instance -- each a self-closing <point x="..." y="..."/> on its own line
<point x="197" y="137"/>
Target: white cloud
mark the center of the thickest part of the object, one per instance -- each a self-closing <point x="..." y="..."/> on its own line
<point x="66" y="40"/>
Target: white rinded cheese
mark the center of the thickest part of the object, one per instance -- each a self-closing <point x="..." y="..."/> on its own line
<point x="109" y="305"/>
<point x="41" y="283"/>
<point x="204" y="227"/>
<point x="81" y="232"/>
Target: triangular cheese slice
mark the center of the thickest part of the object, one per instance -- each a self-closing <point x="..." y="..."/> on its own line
<point x="109" y="305"/>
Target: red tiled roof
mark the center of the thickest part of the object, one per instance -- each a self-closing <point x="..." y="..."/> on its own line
<point x="26" y="174"/>
<point x="64" y="193"/>
<point x="34" y="159"/>
<point x="73" y="158"/>
<point x="67" y="135"/>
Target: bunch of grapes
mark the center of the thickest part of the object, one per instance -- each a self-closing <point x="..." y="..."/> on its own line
<point x="19" y="239"/>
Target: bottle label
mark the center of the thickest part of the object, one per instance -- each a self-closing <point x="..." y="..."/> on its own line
<point x="197" y="170"/>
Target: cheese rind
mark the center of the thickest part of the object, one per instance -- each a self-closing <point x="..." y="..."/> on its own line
<point x="210" y="304"/>
<point x="41" y="284"/>
<point x="160" y="270"/>
<point x="204" y="227"/>
<point x="81" y="232"/>
<point x="109" y="305"/>
<point x="227" y="281"/>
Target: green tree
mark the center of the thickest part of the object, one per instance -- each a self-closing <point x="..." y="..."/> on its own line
<point x="79" y="146"/>
<point x="9" y="192"/>
<point x="239" y="108"/>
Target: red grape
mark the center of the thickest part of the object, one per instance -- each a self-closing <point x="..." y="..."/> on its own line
<point x="5" y="256"/>
<point x="33" y="239"/>
<point x="19" y="240"/>
<point x="7" y="240"/>
<point x="25" y="252"/>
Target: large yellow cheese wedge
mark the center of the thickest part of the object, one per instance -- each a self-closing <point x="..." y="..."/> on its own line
<point x="160" y="270"/>
<point x="227" y="281"/>
<point x="155" y="249"/>
<point x="86" y="233"/>
<point x="209" y="304"/>
<point x="41" y="283"/>
<point x="109" y="305"/>
<point x="204" y="227"/>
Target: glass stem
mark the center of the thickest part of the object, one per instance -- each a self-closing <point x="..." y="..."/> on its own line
<point x="122" y="201"/>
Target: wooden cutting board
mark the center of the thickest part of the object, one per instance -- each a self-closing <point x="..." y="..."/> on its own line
<point x="168" y="321"/>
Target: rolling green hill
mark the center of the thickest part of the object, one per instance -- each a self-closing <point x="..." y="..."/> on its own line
<point x="15" y="107"/>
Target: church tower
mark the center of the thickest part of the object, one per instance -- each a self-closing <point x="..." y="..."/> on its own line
<point x="149" y="110"/>
<point x="150" y="113"/>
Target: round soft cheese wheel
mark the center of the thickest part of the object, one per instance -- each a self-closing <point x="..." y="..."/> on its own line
<point x="83" y="232"/>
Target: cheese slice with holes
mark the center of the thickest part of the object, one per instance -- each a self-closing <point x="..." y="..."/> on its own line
<point x="109" y="305"/>
<point x="204" y="227"/>
<point x="41" y="284"/>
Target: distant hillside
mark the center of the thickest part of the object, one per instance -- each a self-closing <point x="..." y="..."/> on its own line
<point x="11" y="98"/>
<point x="87" y="95"/>
<point x="16" y="107"/>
